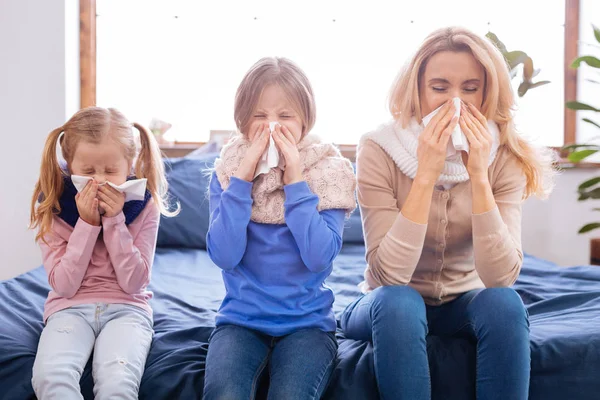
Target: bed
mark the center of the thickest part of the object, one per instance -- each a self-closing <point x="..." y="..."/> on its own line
<point x="563" y="303"/>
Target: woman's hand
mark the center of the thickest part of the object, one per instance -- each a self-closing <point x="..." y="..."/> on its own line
<point x="474" y="126"/>
<point x="433" y="142"/>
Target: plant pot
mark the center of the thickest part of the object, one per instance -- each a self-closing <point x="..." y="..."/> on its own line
<point x="595" y="251"/>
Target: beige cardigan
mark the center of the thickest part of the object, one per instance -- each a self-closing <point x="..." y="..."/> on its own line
<point x="456" y="251"/>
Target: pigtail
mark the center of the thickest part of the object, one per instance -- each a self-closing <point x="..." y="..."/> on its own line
<point x="48" y="188"/>
<point x="149" y="165"/>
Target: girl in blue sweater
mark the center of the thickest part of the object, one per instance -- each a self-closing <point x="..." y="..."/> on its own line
<point x="278" y="200"/>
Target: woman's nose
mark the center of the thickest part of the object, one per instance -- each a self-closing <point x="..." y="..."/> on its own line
<point x="454" y="93"/>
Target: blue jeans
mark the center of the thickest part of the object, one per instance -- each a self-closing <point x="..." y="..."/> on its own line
<point x="299" y="364"/>
<point x="120" y="336"/>
<point x="396" y="320"/>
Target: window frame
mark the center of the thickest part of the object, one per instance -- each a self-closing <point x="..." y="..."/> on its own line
<point x="87" y="66"/>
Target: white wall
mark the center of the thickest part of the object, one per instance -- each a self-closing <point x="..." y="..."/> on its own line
<point x="37" y="48"/>
<point x="550" y="227"/>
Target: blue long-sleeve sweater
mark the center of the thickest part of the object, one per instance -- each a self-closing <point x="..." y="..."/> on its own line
<point x="274" y="273"/>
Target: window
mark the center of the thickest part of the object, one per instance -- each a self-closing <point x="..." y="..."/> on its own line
<point x="181" y="61"/>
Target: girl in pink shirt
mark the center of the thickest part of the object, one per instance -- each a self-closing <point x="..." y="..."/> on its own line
<point x="97" y="246"/>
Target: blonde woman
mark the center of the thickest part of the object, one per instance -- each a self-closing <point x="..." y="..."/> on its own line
<point x="443" y="225"/>
<point x="275" y="228"/>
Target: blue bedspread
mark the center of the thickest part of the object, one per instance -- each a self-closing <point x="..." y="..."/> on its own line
<point x="564" y="307"/>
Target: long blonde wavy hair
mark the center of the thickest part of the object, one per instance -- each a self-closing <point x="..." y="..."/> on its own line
<point x="498" y="100"/>
<point x="93" y="125"/>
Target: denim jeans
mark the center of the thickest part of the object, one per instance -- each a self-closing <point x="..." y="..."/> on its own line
<point x="120" y="336"/>
<point x="299" y="364"/>
<point x="396" y="320"/>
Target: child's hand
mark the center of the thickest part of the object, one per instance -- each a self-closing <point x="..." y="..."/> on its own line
<point x="260" y="143"/>
<point x="87" y="204"/>
<point x="285" y="142"/>
<point x="111" y="200"/>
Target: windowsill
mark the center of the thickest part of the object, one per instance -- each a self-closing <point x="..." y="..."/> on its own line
<point x="181" y="149"/>
<point x="566" y="164"/>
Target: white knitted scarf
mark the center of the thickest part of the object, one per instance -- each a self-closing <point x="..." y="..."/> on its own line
<point x="329" y="175"/>
<point x="401" y="145"/>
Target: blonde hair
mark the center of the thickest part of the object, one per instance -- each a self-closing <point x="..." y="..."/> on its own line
<point x="498" y="100"/>
<point x="284" y="73"/>
<point x="94" y="124"/>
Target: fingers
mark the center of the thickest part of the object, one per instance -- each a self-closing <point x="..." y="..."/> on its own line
<point x="110" y="196"/>
<point x="83" y="194"/>
<point x="288" y="134"/>
<point x="283" y="136"/>
<point x="104" y="206"/>
<point x="277" y="137"/>
<point x="477" y="114"/>
<point x="478" y="122"/>
<point x="89" y="193"/>
<point x="468" y="130"/>
<point x="109" y="191"/>
<point x="442" y="127"/>
<point x="262" y="139"/>
<point x="259" y="131"/>
<point x="446" y="133"/>
<point x="94" y="207"/>
<point x="105" y="198"/>
<point x="440" y="120"/>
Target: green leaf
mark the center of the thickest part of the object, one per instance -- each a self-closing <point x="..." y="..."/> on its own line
<point x="577" y="156"/>
<point x="589" y="183"/>
<point x="590" y="194"/>
<point x="523" y="88"/>
<point x="575" y="105"/>
<point x="589" y="227"/>
<point x="572" y="147"/>
<point x="526" y="85"/>
<point x="589" y="121"/>
<point x="540" y="83"/>
<point x="515" y="58"/>
<point x="596" y="32"/>
<point x="492" y="36"/>
<point x="528" y="69"/>
<point x="589" y="60"/>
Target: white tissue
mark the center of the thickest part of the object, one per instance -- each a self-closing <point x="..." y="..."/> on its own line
<point x="270" y="158"/>
<point x="134" y="189"/>
<point x="458" y="140"/>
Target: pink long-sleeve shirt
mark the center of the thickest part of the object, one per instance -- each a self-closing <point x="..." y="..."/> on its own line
<point x="87" y="266"/>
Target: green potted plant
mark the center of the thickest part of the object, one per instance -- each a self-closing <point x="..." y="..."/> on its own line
<point x="514" y="59"/>
<point x="590" y="189"/>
